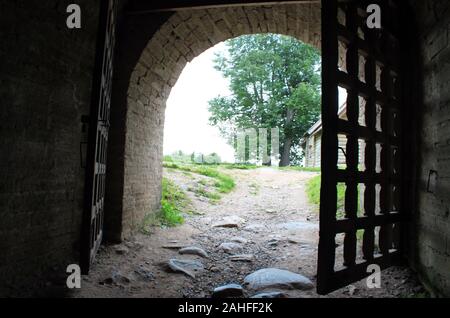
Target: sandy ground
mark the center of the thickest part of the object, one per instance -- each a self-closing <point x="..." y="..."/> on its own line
<point x="279" y="228"/>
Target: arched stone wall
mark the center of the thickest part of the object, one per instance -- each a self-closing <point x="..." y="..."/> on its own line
<point x="185" y="35"/>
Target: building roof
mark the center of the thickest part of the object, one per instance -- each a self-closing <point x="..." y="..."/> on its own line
<point x="318" y="125"/>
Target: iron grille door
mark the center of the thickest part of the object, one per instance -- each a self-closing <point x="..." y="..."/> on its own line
<point x="98" y="136"/>
<point x="360" y="208"/>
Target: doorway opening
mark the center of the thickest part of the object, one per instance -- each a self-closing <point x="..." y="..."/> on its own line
<point x="184" y="36"/>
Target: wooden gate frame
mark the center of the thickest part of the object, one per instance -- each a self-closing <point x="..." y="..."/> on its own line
<point x="94" y="199"/>
<point x="379" y="48"/>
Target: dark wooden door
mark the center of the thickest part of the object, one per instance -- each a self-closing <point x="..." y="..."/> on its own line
<point x="98" y="136"/>
<point x="361" y="213"/>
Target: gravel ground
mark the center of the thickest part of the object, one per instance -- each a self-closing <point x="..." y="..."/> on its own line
<point x="277" y="227"/>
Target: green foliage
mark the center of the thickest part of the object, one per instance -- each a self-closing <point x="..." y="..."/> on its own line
<point x="313" y="193"/>
<point x="298" y="168"/>
<point x="240" y="166"/>
<point x="172" y="202"/>
<point x="213" y="158"/>
<point x="200" y="191"/>
<point x="167" y="158"/>
<point x="200" y="158"/>
<point x="223" y="183"/>
<point x="178" y="157"/>
<point x="275" y="83"/>
<point x="313" y="190"/>
<point x="170" y="165"/>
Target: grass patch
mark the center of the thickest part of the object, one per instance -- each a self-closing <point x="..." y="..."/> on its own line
<point x="170" y="165"/>
<point x="297" y="168"/>
<point x="313" y="190"/>
<point x="202" y="192"/>
<point x="150" y="220"/>
<point x="313" y="193"/>
<point x="173" y="203"/>
<point x="224" y="183"/>
<point x="239" y="166"/>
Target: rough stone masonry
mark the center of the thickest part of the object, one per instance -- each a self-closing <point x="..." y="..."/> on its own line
<point x="45" y="88"/>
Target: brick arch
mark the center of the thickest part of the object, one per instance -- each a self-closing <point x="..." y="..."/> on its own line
<point x="185" y="35"/>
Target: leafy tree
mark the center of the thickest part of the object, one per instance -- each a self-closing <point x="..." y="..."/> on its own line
<point x="275" y="82"/>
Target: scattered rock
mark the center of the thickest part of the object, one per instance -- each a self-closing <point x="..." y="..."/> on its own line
<point x="255" y="228"/>
<point x="121" y="250"/>
<point x="238" y="239"/>
<point x="230" y="248"/>
<point x="116" y="278"/>
<point x="230" y="290"/>
<point x="187" y="267"/>
<point x="298" y="226"/>
<point x="242" y="258"/>
<point x="192" y="250"/>
<point x="214" y="269"/>
<point x="135" y="245"/>
<point x="274" y="278"/>
<point x="230" y="222"/>
<point x="174" y="246"/>
<point x="270" y="295"/>
<point x="143" y="274"/>
<point x="293" y="240"/>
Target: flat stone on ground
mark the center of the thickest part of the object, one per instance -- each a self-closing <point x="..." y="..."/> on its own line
<point x="242" y="258"/>
<point x="270" y="295"/>
<point x="274" y="278"/>
<point x="187" y="267"/>
<point x="230" y="248"/>
<point x="193" y="250"/>
<point x="238" y="239"/>
<point x="230" y="290"/>
<point x="230" y="222"/>
<point x="174" y="246"/>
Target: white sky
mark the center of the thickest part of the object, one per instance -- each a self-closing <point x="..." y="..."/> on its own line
<point x="186" y="125"/>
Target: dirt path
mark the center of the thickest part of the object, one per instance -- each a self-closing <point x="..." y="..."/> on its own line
<point x="277" y="228"/>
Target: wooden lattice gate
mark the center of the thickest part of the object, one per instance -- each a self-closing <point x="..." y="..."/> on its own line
<point x="98" y="136"/>
<point x="367" y="64"/>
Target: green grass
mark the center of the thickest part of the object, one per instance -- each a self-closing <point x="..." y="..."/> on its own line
<point x="174" y="203"/>
<point x="313" y="190"/>
<point x="203" y="182"/>
<point x="297" y="168"/>
<point x="239" y="166"/>
<point x="223" y="182"/>
<point x="168" y="158"/>
<point x="313" y="193"/>
<point x="205" y="193"/>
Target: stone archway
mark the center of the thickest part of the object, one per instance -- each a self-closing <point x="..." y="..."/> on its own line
<point x="178" y="40"/>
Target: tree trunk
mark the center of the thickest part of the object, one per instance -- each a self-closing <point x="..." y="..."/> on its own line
<point x="287" y="144"/>
<point x="285" y="158"/>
